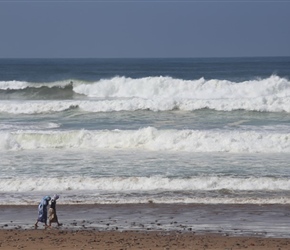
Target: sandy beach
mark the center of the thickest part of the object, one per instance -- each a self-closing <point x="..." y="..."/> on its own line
<point x="90" y="239"/>
<point x="149" y="226"/>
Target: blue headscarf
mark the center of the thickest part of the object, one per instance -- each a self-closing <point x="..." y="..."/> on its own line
<point x="45" y="200"/>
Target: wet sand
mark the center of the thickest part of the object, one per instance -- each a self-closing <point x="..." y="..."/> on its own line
<point x="149" y="226"/>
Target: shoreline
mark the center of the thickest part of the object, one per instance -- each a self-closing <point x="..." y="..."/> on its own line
<point x="149" y="226"/>
<point x="271" y="221"/>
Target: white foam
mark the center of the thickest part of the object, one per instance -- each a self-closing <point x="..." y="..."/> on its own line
<point x="263" y="104"/>
<point x="35" y="107"/>
<point x="76" y="197"/>
<point x="5" y="85"/>
<point x="28" y="126"/>
<point x="150" y="139"/>
<point x="138" y="184"/>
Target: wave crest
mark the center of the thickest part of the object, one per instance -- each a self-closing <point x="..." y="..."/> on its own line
<point x="150" y="93"/>
<point x="178" y="89"/>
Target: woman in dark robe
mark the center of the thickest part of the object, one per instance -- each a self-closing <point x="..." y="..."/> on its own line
<point x="52" y="216"/>
<point x="42" y="211"/>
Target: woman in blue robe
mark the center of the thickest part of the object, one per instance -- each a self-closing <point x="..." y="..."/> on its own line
<point x="42" y="211"/>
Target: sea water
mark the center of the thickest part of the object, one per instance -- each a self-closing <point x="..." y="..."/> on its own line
<point x="115" y="131"/>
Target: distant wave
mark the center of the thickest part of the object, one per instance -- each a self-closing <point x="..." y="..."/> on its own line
<point x="26" y="91"/>
<point x="150" y="139"/>
<point x="150" y="93"/>
<point x="164" y="87"/>
<point x="20" y="85"/>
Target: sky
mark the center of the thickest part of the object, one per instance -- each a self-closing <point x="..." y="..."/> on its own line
<point x="134" y="29"/>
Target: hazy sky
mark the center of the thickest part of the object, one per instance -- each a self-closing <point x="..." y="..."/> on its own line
<point x="144" y="28"/>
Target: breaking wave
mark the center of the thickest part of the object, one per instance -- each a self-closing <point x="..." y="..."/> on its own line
<point x="115" y="190"/>
<point x="126" y="184"/>
<point x="150" y="139"/>
<point x="150" y="93"/>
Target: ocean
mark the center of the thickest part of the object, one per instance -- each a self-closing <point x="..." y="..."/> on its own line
<point x="126" y="131"/>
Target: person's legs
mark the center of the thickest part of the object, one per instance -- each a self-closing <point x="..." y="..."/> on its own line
<point x="58" y="224"/>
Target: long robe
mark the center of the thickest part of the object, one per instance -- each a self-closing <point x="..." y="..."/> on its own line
<point x="42" y="210"/>
<point x="52" y="212"/>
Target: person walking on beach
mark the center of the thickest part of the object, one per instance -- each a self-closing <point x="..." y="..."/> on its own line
<point x="52" y="217"/>
<point x="42" y="211"/>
